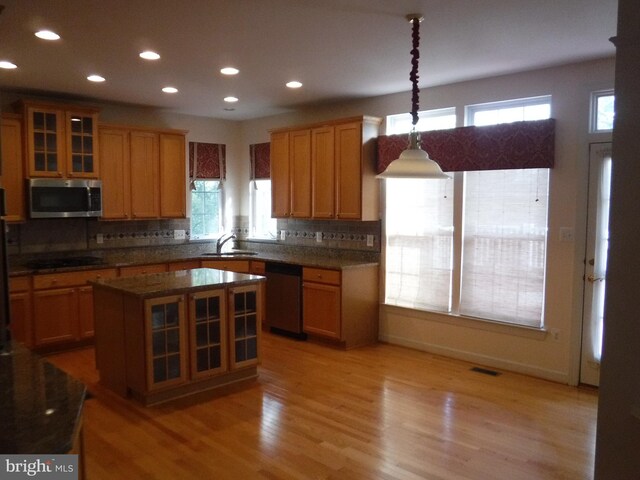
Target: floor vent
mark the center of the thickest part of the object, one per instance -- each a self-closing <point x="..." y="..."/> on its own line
<point x="486" y="371"/>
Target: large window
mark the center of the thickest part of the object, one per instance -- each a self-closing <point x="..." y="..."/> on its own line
<point x="473" y="245"/>
<point x="260" y="222"/>
<point x="206" y="209"/>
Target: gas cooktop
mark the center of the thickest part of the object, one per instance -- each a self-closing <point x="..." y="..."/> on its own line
<point x="63" y="262"/>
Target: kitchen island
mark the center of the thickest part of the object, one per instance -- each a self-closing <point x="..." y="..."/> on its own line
<point x="166" y="335"/>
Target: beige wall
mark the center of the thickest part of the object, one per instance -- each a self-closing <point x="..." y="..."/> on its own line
<point x="512" y="348"/>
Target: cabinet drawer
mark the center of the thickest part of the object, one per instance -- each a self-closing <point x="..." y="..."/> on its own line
<point x="239" y="266"/>
<point x="18" y="284"/>
<point x="321" y="275"/>
<point x="70" y="279"/>
<point x="142" y="270"/>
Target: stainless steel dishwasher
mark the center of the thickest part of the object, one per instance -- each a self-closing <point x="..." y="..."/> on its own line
<point x="284" y="299"/>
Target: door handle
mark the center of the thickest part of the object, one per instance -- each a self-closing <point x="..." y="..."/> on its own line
<point x="593" y="279"/>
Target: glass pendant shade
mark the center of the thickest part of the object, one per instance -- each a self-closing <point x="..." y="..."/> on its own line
<point x="413" y="163"/>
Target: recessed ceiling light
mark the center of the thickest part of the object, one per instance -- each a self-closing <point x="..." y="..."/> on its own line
<point x="229" y="109"/>
<point x="7" y="65"/>
<point x="229" y="71"/>
<point x="230" y="99"/>
<point x="294" y="84"/>
<point x="47" y="35"/>
<point x="170" y="90"/>
<point x="149" y="55"/>
<point x="95" y="78"/>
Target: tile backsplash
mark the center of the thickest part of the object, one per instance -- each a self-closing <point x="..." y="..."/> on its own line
<point x="59" y="235"/>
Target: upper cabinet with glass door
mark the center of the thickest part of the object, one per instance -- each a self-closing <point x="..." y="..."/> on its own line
<point x="61" y="140"/>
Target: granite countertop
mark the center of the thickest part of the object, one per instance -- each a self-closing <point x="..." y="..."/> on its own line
<point x="178" y="282"/>
<point x="305" y="260"/>
<point x="40" y="406"/>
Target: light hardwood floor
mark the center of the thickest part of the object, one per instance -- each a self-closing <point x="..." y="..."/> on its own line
<point x="380" y="412"/>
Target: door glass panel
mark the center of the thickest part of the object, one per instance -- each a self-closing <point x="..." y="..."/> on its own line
<point x="38" y="120"/>
<point x="241" y="354"/>
<point x="201" y="309"/>
<point x="201" y="335"/>
<point x="240" y="328"/>
<point x="214" y="332"/>
<point x="88" y="163"/>
<point x="173" y="340"/>
<point x="202" y="360"/>
<point x="38" y="141"/>
<point x="173" y="366"/>
<point x="159" y="347"/>
<point x="239" y="302"/>
<point x="157" y="316"/>
<point x="214" y="307"/>
<point x="87" y="144"/>
<point x="50" y="122"/>
<point x="76" y="161"/>
<point x="172" y="314"/>
<point x="251" y="325"/>
<point x="52" y="162"/>
<point x="159" y="370"/>
<point x="252" y="348"/>
<point x="39" y="161"/>
<point x="214" y="357"/>
<point x="251" y="301"/>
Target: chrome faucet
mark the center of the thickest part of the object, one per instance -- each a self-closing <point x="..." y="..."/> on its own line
<point x="222" y="240"/>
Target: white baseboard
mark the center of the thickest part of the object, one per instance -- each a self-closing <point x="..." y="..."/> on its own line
<point x="485" y="360"/>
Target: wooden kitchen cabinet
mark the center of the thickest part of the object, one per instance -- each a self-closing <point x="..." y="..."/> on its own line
<point x="144" y="173"/>
<point x="165" y="342"/>
<point x="116" y="184"/>
<point x="61" y="140"/>
<point x="173" y="176"/>
<point x="321" y="302"/>
<point x="323" y="172"/>
<point x="341" y="305"/>
<point x="245" y="325"/>
<point x="330" y="173"/>
<point x="12" y="178"/>
<point x="20" y="305"/>
<point x="180" y="334"/>
<point x="300" y="171"/>
<point x="63" y="306"/>
<point x="280" y="187"/>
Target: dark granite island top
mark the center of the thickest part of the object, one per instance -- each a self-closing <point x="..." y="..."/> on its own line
<point x="181" y="281"/>
<point x="40" y="405"/>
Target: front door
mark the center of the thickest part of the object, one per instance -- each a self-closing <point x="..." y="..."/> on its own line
<point x="595" y="261"/>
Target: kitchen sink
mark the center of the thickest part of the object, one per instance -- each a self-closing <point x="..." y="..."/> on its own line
<point x="232" y="253"/>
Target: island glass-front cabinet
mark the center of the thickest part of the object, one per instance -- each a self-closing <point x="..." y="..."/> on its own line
<point x="160" y="347"/>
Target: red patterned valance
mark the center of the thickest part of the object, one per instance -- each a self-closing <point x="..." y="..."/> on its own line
<point x="495" y="147"/>
<point x="211" y="160"/>
<point x="260" y="154"/>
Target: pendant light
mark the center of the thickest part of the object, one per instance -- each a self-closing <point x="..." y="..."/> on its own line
<point x="414" y="162"/>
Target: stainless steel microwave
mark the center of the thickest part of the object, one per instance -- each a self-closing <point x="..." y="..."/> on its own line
<point x="62" y="198"/>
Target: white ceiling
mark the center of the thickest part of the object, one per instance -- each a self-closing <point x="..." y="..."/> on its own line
<point x="339" y="49"/>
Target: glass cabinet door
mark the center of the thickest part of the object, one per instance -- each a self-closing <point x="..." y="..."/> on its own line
<point x="208" y="321"/>
<point x="165" y="341"/>
<point x="245" y="325"/>
<point x="44" y="129"/>
<point x="81" y="148"/>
